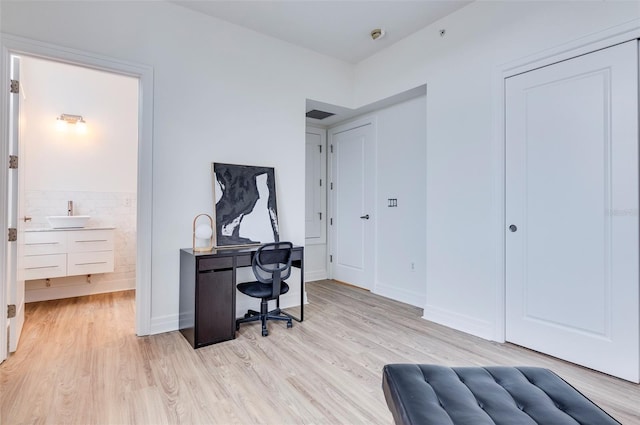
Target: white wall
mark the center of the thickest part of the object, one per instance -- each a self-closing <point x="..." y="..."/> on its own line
<point x="96" y="170"/>
<point x="400" y="143"/>
<point x="463" y="243"/>
<point x="102" y="160"/>
<point x="211" y="78"/>
<point x="401" y="174"/>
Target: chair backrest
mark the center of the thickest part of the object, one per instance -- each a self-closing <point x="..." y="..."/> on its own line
<point x="272" y="264"/>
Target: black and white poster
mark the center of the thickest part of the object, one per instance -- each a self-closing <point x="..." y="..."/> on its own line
<point x="245" y="205"/>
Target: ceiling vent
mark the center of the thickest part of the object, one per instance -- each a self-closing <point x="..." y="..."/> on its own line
<point x="319" y="115"/>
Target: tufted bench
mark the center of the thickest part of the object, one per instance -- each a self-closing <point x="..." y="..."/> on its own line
<point x="419" y="394"/>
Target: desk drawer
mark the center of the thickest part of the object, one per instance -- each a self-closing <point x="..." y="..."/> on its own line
<point x="205" y="264"/>
<point x="296" y="255"/>
<point x="243" y="260"/>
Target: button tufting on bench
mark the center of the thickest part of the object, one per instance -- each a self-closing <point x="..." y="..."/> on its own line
<point x="436" y="395"/>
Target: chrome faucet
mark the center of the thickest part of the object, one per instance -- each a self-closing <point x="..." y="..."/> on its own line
<point x="70" y="208"/>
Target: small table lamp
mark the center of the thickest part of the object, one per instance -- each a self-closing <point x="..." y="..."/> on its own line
<point x="202" y="232"/>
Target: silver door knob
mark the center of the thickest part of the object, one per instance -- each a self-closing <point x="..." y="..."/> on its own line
<point x="365" y="217"/>
<point x="25" y="219"/>
<point x="513" y="228"/>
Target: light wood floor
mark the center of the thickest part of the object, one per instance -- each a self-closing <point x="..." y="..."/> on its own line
<point x="80" y="362"/>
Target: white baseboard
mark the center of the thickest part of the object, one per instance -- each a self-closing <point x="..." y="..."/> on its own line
<point x="402" y="295"/>
<point x="162" y="324"/>
<point x="310" y="276"/>
<point x="60" y="292"/>
<point x="460" y="322"/>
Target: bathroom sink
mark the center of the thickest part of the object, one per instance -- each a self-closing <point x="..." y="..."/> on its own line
<point x="68" y="221"/>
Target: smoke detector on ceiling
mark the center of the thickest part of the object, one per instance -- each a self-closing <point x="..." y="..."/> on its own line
<point x="377" y="33"/>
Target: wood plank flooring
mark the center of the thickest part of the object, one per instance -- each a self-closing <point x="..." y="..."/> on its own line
<point x="79" y="362"/>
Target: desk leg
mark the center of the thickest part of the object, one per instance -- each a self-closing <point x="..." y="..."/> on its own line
<point x="298" y="264"/>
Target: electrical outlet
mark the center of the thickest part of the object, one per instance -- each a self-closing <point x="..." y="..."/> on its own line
<point x="413" y="266"/>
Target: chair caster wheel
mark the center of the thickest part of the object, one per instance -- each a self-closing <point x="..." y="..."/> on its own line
<point x="247" y="315"/>
<point x="289" y="325"/>
<point x="265" y="332"/>
<point x="237" y="328"/>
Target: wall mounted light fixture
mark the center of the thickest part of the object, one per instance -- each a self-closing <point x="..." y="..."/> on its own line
<point x="63" y="121"/>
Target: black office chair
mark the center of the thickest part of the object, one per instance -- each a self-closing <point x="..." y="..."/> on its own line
<point x="271" y="265"/>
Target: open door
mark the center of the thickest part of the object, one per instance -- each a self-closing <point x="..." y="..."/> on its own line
<point x="15" y="281"/>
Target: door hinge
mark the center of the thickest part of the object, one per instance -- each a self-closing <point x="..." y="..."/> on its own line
<point x="13" y="162"/>
<point x="320" y="182"/>
<point x="320" y="146"/>
<point x="320" y="214"/>
<point x="331" y="148"/>
<point x="13" y="234"/>
<point x="331" y="258"/>
<point x="15" y="86"/>
<point x="331" y="185"/>
<point x="11" y="311"/>
<point x="331" y="221"/>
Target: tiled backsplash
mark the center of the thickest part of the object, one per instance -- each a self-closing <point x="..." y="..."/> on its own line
<point x="106" y="209"/>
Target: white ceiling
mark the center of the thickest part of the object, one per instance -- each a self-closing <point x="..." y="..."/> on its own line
<point x="340" y="29"/>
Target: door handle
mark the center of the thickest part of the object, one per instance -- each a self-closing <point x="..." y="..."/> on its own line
<point x="25" y="218"/>
<point x="513" y="228"/>
<point x="365" y="217"/>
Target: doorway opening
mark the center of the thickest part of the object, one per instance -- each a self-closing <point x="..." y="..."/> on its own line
<point x="370" y="173"/>
<point x="86" y="168"/>
<point x="73" y="171"/>
<point x="140" y="204"/>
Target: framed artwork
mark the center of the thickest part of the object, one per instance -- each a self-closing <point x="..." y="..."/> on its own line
<point x="245" y="205"/>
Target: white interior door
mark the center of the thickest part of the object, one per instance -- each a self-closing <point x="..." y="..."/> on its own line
<point x="15" y="280"/>
<point x="352" y="227"/>
<point x="572" y="192"/>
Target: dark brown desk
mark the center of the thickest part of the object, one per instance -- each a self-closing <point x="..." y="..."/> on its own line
<point x="208" y="292"/>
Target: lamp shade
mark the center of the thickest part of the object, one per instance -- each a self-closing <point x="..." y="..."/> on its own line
<point x="202" y="233"/>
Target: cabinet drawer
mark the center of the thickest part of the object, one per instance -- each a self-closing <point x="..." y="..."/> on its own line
<point x="89" y="262"/>
<point x="205" y="264"/>
<point x="37" y="243"/>
<point x="44" y="266"/>
<point x="89" y="240"/>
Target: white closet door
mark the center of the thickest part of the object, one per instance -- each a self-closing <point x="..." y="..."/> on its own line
<point x="572" y="192"/>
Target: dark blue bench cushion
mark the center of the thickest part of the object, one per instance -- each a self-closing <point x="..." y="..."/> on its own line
<point x="419" y="394"/>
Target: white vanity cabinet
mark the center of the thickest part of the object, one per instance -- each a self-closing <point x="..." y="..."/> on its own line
<point x="58" y="253"/>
